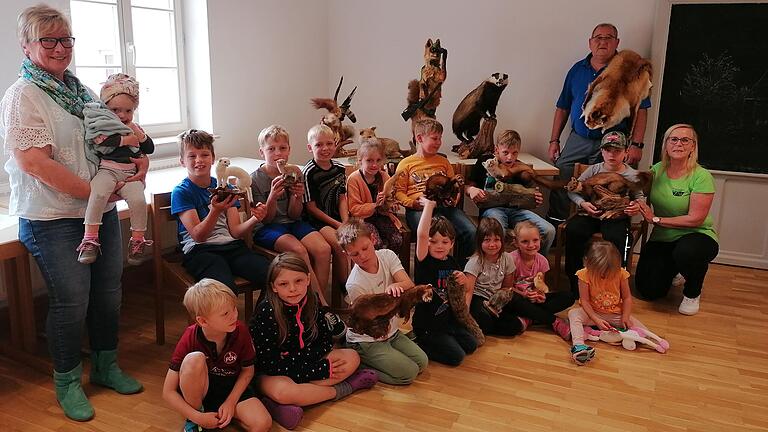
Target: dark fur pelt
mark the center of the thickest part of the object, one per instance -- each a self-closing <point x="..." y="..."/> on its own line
<point x="478" y="104"/>
<point x="371" y="313"/>
<point x="609" y="191"/>
<point x="458" y="303"/>
<point x="520" y="173"/>
<point x="482" y="144"/>
<point x="444" y="190"/>
<point x="617" y="92"/>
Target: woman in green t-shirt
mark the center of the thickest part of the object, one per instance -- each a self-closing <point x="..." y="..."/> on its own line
<point x="683" y="238"/>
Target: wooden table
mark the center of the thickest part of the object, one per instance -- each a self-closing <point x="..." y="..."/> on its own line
<point x="18" y="285"/>
<point x="464" y="166"/>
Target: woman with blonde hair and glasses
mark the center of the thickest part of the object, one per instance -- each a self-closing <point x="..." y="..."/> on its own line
<point x="683" y="240"/>
<point x="50" y="169"/>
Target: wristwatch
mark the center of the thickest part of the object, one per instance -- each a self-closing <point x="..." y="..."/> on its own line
<point x="656" y="220"/>
<point x="638" y="144"/>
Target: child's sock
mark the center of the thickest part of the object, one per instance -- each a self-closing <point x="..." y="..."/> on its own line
<point x="287" y="416"/>
<point x="137" y="235"/>
<point x="91" y="236"/>
<point x="362" y="379"/>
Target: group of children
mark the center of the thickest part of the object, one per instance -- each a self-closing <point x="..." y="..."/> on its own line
<point x="287" y="353"/>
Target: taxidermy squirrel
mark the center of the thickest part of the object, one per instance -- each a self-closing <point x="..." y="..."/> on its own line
<point x="224" y="171"/>
<point x="458" y="303"/>
<point x="291" y="173"/>
<point x="478" y="104"/>
<point x="521" y="173"/>
<point x="444" y="190"/>
<point x="392" y="148"/>
<point x="617" y="92"/>
<point x="336" y="114"/>
<point x="371" y="313"/>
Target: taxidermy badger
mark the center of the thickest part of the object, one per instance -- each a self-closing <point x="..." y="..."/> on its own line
<point x="371" y="313"/>
<point x="478" y="104"/>
<point x="608" y="191"/>
<point x="392" y="148"/>
<point x="617" y="92"/>
<point x="224" y="171"/>
<point x="521" y="173"/>
<point x="443" y="189"/>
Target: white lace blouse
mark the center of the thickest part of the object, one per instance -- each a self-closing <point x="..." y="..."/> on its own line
<point x="30" y="118"/>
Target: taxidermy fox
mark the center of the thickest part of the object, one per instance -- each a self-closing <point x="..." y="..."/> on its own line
<point x="392" y="148"/>
<point x="424" y="95"/>
<point x="617" y="92"/>
<point x="478" y="104"/>
<point x="520" y="173"/>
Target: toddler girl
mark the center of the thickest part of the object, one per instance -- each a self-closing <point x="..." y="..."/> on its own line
<point x="116" y="140"/>
<point x="531" y="303"/>
<point x="439" y="334"/>
<point x="294" y="347"/>
<point x="604" y="297"/>
<point x="489" y="270"/>
<point x="366" y="184"/>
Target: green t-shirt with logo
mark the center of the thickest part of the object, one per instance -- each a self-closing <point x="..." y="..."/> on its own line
<point x="672" y="197"/>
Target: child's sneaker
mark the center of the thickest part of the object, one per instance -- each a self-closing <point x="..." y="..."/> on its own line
<point x="678" y="281"/>
<point x="335" y="324"/>
<point x="689" y="306"/>
<point x="190" y="426"/>
<point x="526" y="322"/>
<point x="137" y="252"/>
<point x="562" y="328"/>
<point x="89" y="251"/>
<point x="581" y="354"/>
<point x="287" y="416"/>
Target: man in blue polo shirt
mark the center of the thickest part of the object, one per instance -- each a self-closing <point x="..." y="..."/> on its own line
<point x="583" y="144"/>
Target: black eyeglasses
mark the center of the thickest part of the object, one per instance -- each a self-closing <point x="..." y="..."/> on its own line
<point x="50" y="43"/>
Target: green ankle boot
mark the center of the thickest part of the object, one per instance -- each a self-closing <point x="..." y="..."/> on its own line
<point x="105" y="372"/>
<point x="70" y="394"/>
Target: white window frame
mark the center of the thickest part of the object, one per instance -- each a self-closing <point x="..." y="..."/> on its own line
<point x="128" y="62"/>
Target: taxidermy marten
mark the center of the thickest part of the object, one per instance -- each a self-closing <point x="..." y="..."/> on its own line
<point x="617" y="92"/>
<point x="458" y="303"/>
<point x="224" y="171"/>
<point x="371" y="313"/>
<point x="608" y="191"/>
<point x="336" y="114"/>
<point x="478" y="104"/>
<point x="392" y="148"/>
<point x="443" y="189"/>
<point x="291" y="173"/>
<point x="521" y="173"/>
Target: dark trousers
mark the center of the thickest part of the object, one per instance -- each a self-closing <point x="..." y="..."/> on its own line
<point x="576" y="149"/>
<point x="506" y="324"/>
<point x="447" y="347"/>
<point x="578" y="233"/>
<point x="224" y="262"/>
<point x="542" y="313"/>
<point x="689" y="255"/>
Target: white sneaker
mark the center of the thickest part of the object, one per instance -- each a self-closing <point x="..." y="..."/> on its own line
<point x="689" y="306"/>
<point x="678" y="281"/>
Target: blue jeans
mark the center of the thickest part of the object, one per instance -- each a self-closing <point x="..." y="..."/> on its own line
<point x="509" y="217"/>
<point x="78" y="294"/>
<point x="465" y="229"/>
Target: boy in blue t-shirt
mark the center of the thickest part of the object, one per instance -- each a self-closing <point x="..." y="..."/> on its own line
<point x="210" y="231"/>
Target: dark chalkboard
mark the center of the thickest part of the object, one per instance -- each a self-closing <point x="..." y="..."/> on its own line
<point x="716" y="78"/>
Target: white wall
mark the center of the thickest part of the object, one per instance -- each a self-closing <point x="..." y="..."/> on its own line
<point x="268" y="58"/>
<point x="379" y="46"/>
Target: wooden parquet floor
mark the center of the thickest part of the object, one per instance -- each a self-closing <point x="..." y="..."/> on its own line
<point x="714" y="378"/>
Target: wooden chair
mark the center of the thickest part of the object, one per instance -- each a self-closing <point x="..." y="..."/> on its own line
<point x="171" y="279"/>
<point x="638" y="230"/>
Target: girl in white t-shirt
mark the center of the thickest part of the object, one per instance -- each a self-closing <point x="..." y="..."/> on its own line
<point x="528" y="302"/>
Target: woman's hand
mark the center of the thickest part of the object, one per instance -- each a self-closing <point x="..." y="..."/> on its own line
<point x="142" y="166"/>
<point x="590" y="209"/>
<point x="130" y="140"/>
<point x="395" y="290"/>
<point x="632" y="209"/>
<point x="476" y="194"/>
<point x="646" y="211"/>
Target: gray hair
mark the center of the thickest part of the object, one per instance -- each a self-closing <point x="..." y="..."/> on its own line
<point x="613" y="27"/>
<point x="37" y="20"/>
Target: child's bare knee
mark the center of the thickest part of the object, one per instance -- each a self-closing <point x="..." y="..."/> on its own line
<point x="193" y="363"/>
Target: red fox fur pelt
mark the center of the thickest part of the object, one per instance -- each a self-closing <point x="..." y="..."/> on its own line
<point x="371" y="313"/>
<point x="617" y="92"/>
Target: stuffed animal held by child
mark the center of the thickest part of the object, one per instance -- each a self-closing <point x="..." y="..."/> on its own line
<point x="291" y="173"/>
<point x="225" y="170"/>
<point x="371" y="313"/>
<point x="502" y="296"/>
<point x="458" y="302"/>
<point x="628" y="338"/>
<point x="444" y="190"/>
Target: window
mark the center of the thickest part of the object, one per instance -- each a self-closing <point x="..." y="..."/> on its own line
<point x="141" y="38"/>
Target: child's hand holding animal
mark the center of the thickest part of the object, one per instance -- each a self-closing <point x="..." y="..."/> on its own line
<point x="259" y="211"/>
<point x="476" y="194"/>
<point x="395" y="290"/>
<point x="590" y="208"/>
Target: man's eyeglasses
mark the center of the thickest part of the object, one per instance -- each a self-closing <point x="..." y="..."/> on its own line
<point x="602" y="38"/>
<point x="50" y="43"/>
<point x="683" y="141"/>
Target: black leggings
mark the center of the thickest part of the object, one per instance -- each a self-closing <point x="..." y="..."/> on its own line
<point x="506" y="324"/>
<point x="448" y="347"/>
<point x="579" y="231"/>
<point x="542" y="313"/>
<point x="659" y="262"/>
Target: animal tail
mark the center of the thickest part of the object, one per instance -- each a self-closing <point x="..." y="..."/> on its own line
<point x="550" y="184"/>
<point x="326" y="103"/>
<point x="413" y="92"/>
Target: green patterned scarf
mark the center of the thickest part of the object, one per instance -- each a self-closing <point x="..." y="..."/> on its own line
<point x="70" y="94"/>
